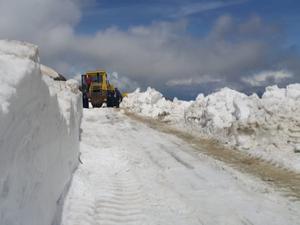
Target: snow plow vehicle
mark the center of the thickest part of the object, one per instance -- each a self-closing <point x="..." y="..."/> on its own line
<point x="97" y="90"/>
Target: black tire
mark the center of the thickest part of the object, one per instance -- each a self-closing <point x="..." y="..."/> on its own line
<point x="117" y="104"/>
<point x="97" y="105"/>
<point x="85" y="101"/>
<point x="110" y="102"/>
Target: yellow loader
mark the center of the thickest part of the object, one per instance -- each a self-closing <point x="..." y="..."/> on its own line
<point x="97" y="90"/>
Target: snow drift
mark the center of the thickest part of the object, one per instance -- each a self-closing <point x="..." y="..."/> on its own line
<point x="39" y="137"/>
<point x="267" y="127"/>
<point x="151" y="103"/>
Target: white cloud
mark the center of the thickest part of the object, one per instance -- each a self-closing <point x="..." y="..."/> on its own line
<point x="199" y="7"/>
<point x="267" y="77"/>
<point x="192" y="81"/>
<point x="122" y="82"/>
<point x="159" y="54"/>
<point x="33" y="18"/>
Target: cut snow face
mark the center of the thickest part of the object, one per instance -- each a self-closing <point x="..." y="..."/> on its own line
<point x="21" y="50"/>
<point x="23" y="55"/>
<point x="68" y="96"/>
<point x="267" y="127"/>
<point x="39" y="137"/>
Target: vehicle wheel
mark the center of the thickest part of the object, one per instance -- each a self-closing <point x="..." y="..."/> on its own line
<point x="85" y="101"/>
<point x="97" y="105"/>
<point x="109" y="102"/>
<point x="116" y="102"/>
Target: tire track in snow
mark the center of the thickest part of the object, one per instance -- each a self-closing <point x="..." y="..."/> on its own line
<point x="119" y="201"/>
<point x="285" y="181"/>
<point x="135" y="175"/>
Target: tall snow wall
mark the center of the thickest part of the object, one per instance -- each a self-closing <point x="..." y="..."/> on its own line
<point x="39" y="137"/>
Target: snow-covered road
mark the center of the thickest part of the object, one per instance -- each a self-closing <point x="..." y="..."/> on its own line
<point x="132" y="174"/>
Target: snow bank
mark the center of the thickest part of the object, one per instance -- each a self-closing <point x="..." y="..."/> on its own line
<point x="39" y="137"/>
<point x="49" y="72"/>
<point x="152" y="104"/>
<point x="267" y="127"/>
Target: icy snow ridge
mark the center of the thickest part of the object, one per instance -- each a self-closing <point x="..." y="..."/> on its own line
<point x="39" y="137"/>
<point x="267" y="127"/>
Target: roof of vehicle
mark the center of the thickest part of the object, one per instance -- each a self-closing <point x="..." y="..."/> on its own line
<point x="96" y="71"/>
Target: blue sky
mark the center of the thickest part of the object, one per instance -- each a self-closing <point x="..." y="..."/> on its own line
<point x="180" y="47"/>
<point x="200" y="17"/>
<point x="102" y="14"/>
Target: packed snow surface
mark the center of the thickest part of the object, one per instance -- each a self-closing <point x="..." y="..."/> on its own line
<point x="39" y="137"/>
<point x="132" y="174"/>
<point x="267" y="127"/>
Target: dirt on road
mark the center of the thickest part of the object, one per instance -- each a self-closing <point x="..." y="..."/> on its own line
<point x="287" y="182"/>
<point x="134" y="174"/>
